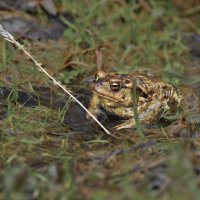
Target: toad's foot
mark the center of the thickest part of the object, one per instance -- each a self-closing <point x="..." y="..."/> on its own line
<point x="127" y="124"/>
<point x="95" y="112"/>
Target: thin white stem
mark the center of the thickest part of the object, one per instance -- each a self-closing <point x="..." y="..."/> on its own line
<point x="11" y="39"/>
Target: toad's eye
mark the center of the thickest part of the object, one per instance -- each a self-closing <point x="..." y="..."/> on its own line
<point x="115" y="87"/>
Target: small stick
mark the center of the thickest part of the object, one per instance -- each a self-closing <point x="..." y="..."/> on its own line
<point x="11" y="39"/>
<point x="99" y="60"/>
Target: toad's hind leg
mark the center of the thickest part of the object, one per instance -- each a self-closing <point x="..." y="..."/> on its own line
<point x="148" y="115"/>
<point x="153" y="112"/>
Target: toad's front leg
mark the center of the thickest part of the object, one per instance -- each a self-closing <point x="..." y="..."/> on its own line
<point x="93" y="107"/>
<point x="149" y="114"/>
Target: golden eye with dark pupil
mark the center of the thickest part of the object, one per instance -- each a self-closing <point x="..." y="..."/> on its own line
<point x="115" y="87"/>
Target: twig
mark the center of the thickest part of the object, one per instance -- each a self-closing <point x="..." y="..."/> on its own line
<point x="99" y="57"/>
<point x="11" y="39"/>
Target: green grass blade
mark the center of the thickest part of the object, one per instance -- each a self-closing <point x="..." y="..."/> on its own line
<point x="136" y="117"/>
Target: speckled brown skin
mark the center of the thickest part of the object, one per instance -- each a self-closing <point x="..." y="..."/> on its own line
<point x="114" y="92"/>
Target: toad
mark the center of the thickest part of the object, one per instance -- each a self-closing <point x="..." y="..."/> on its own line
<point x="114" y="93"/>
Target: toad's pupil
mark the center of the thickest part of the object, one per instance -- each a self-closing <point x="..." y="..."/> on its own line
<point x="115" y="86"/>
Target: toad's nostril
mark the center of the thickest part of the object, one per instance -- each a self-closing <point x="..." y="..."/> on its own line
<point x="99" y="84"/>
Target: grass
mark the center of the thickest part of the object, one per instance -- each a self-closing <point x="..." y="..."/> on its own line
<point x="136" y="117"/>
<point x="42" y="158"/>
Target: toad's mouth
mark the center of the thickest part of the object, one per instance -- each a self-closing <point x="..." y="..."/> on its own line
<point x="107" y="96"/>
